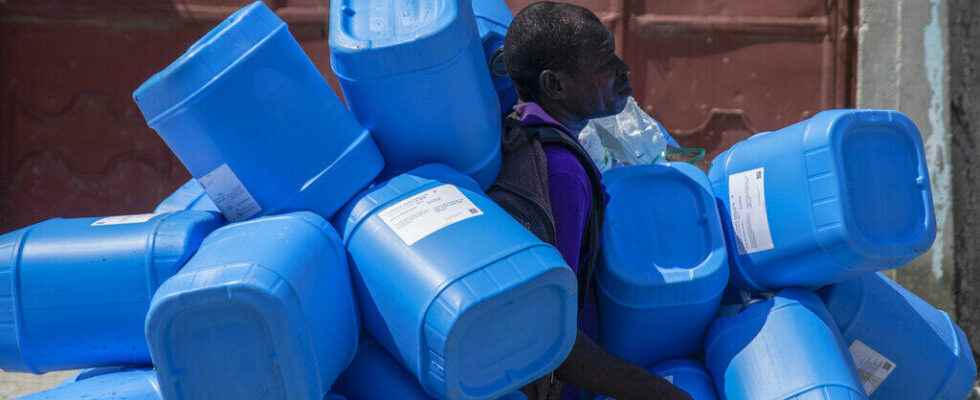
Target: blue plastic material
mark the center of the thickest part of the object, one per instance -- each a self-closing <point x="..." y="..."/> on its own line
<point x="469" y="301"/>
<point x="786" y="347"/>
<point x="374" y="375"/>
<point x="846" y="192"/>
<point x="493" y="17"/>
<point x="116" y="384"/>
<point x="189" y="196"/>
<point x="926" y="356"/>
<point x="74" y="292"/>
<point x="690" y="376"/>
<point x="264" y="310"/>
<point x="254" y="121"/>
<point x="664" y="266"/>
<point x="414" y="74"/>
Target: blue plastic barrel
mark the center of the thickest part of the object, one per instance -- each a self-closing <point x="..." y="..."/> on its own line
<point x="114" y="384"/>
<point x="414" y="74"/>
<point x="264" y="310"/>
<point x="493" y="17"/>
<point x="664" y="265"/>
<point x="252" y="119"/>
<point x="786" y="347"/>
<point x="465" y="298"/>
<point x="74" y="292"/>
<point x="189" y="196"/>
<point x="825" y="200"/>
<point x="903" y="347"/>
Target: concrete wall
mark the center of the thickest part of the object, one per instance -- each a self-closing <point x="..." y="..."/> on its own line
<point x="964" y="55"/>
<point x="903" y="49"/>
<point x="922" y="57"/>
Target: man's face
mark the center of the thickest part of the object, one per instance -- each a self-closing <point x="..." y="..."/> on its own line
<point x="601" y="85"/>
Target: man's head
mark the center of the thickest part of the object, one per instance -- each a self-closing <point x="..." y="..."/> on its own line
<point x="562" y="57"/>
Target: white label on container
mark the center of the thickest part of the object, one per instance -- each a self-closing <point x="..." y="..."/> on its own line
<point x="873" y="368"/>
<point x="747" y="196"/>
<point x="124" y="219"/>
<point x="228" y="193"/>
<point x="421" y="215"/>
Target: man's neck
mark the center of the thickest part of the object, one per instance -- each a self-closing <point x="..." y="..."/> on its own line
<point x="572" y="122"/>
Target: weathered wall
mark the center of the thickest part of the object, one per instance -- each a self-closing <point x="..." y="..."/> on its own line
<point x="903" y="64"/>
<point x="964" y="59"/>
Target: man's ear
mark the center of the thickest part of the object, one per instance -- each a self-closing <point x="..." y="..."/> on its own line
<point x="551" y="85"/>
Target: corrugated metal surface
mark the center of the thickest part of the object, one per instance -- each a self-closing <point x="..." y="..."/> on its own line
<point x="73" y="143"/>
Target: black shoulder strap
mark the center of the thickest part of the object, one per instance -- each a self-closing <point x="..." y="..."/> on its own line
<point x="589" y="257"/>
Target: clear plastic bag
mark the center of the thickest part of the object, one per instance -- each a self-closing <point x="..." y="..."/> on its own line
<point x="631" y="137"/>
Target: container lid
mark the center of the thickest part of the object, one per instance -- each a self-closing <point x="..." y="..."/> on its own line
<point x="388" y="37"/>
<point x="206" y="59"/>
<point x="662" y="239"/>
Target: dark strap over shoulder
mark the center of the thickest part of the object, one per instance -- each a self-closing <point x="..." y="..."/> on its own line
<point x="522" y="190"/>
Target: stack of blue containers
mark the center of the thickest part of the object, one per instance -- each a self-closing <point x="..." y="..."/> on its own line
<point x="265" y="307"/>
<point x="824" y="203"/>
<point x="423" y="287"/>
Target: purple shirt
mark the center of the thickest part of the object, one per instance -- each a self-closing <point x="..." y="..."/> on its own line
<point x="570" y="192"/>
<point x="569" y="188"/>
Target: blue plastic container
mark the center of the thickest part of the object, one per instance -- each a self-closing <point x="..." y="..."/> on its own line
<point x="786" y="347"/>
<point x="903" y="347"/>
<point x="254" y="121"/>
<point x="374" y="375"/>
<point x="189" y="196"/>
<point x="493" y="17"/>
<point x="414" y="73"/>
<point x="264" y="310"/>
<point x="843" y="193"/>
<point x="74" y="292"/>
<point x="112" y="384"/>
<point x="664" y="263"/>
<point x="688" y="375"/>
<point x="469" y="301"/>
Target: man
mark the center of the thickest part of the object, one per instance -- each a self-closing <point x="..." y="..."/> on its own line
<point x="563" y="64"/>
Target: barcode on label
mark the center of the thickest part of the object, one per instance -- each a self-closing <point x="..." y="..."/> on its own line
<point x="872" y="367"/>
<point x="423" y="214"/>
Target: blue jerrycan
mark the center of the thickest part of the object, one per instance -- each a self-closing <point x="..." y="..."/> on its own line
<point x="414" y="73"/>
<point x="470" y="302"/>
<point x="253" y="120"/>
<point x="903" y="348"/>
<point x="189" y="196"/>
<point x="783" y="348"/>
<point x="688" y="375"/>
<point x="664" y="264"/>
<point x="825" y="200"/>
<point x="74" y="292"/>
<point x="493" y="17"/>
<point x="106" y="384"/>
<point x="264" y="310"/>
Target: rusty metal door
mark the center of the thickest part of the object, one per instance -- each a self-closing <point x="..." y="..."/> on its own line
<point x="715" y="71"/>
<point x="73" y="143"/>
